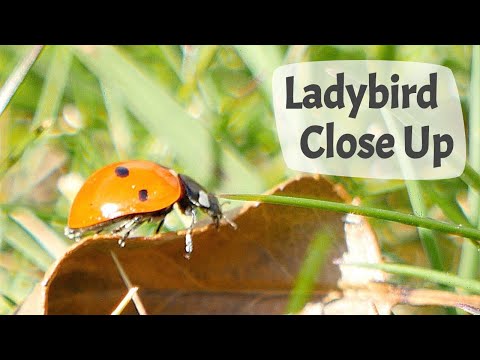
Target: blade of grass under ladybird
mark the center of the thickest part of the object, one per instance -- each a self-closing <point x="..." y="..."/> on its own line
<point x="125" y="300"/>
<point x="118" y="123"/>
<point x="20" y="240"/>
<point x="162" y="116"/>
<point x="312" y="264"/>
<point x="54" y="86"/>
<point x="41" y="232"/>
<point x="434" y="276"/>
<point x="137" y="301"/>
<point x="17" y="76"/>
<point x="469" y="258"/>
<point x="262" y="60"/>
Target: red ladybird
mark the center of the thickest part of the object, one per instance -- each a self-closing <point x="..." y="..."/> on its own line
<point x="124" y="195"/>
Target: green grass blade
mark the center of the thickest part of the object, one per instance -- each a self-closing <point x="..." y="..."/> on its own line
<point x="471" y="177"/>
<point x="173" y="55"/>
<point x="469" y="259"/>
<point x="10" y="302"/>
<point x="430" y="246"/>
<point x="53" y="87"/>
<point x="197" y="62"/>
<point x="434" y="276"/>
<point x="262" y="60"/>
<point x="296" y="53"/>
<point x="17" y="76"/>
<point x="468" y="265"/>
<point x="382" y="214"/>
<point x="315" y="257"/>
<point x="19" y="149"/>
<point x="448" y="205"/>
<point x="118" y="122"/>
<point x="49" y="240"/>
<point x="47" y="109"/>
<point x="17" y="238"/>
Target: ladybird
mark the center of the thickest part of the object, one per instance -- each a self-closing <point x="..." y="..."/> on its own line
<point x="124" y="195"/>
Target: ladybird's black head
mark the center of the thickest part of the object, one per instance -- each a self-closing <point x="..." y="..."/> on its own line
<point x="196" y="196"/>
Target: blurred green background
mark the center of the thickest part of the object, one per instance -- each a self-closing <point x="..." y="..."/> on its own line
<point x="202" y="110"/>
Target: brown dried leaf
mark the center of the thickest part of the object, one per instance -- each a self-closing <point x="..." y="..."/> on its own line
<point x="246" y="271"/>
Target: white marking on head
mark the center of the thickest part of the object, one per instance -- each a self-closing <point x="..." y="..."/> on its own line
<point x="203" y="199"/>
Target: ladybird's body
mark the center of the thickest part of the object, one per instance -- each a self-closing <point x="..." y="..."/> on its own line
<point x="126" y="194"/>
<point x="123" y="189"/>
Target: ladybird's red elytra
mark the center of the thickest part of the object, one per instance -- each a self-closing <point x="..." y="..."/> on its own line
<point x="123" y="195"/>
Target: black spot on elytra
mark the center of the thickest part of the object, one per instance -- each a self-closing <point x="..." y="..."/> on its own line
<point x="143" y="195"/>
<point x="121" y="171"/>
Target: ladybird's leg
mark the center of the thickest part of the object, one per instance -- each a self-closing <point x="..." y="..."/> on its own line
<point x="188" y="236"/>
<point x="130" y="226"/>
<point x="159" y="225"/>
<point x="73" y="234"/>
<point x="125" y="225"/>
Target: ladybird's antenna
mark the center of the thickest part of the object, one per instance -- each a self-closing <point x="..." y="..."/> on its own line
<point x="230" y="222"/>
